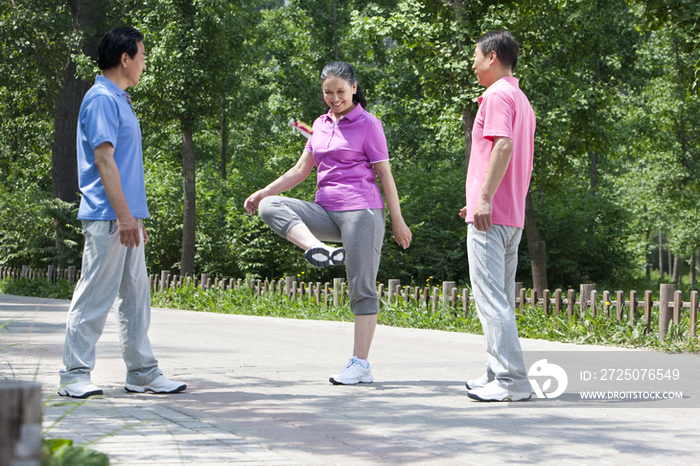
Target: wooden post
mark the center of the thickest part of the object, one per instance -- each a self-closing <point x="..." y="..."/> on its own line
<point x="337" y="298"/>
<point x="25" y="272"/>
<point x="545" y="302"/>
<point x="465" y="302"/>
<point x="594" y="305"/>
<point x="522" y="300"/>
<point x="534" y="299"/>
<point x="380" y="293"/>
<point x="71" y="273"/>
<point x="606" y="303"/>
<point x="557" y="302"/>
<point x="204" y="281"/>
<point x="342" y="292"/>
<point x="647" y="310"/>
<point x="677" y="306"/>
<point x="406" y="293"/>
<point x="436" y="296"/>
<point x="392" y="291"/>
<point x="633" y="305"/>
<point x="585" y="296"/>
<point x="665" y="297"/>
<point x="620" y="305"/>
<point x="426" y="295"/>
<point x="189" y="281"/>
<point x="325" y="293"/>
<point x="570" y="301"/>
<point x="266" y="287"/>
<point x="447" y="288"/>
<point x="273" y="285"/>
<point x="294" y="290"/>
<point x="288" y="285"/>
<point x="693" y="312"/>
<point x="20" y="424"/>
<point x="50" y="272"/>
<point x="453" y="298"/>
<point x="318" y="293"/>
<point x="164" y="276"/>
<point x="518" y="287"/>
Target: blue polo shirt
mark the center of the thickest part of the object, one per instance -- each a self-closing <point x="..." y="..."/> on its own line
<point x="106" y="116"/>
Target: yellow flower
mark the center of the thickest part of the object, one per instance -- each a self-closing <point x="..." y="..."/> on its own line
<point x="607" y="303"/>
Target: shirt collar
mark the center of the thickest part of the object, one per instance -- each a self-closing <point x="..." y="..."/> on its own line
<point x="353" y="115"/>
<point x="504" y="81"/>
<point x="113" y="88"/>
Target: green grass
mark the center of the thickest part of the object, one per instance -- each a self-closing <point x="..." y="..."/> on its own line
<point x="599" y="330"/>
<point x="533" y="323"/>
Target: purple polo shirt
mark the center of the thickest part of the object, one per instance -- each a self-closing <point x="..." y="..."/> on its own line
<point x="345" y="152"/>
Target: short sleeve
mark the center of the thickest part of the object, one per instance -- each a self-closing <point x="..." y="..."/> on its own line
<point x="375" y="143"/>
<point x="498" y="111"/>
<point x="101" y="121"/>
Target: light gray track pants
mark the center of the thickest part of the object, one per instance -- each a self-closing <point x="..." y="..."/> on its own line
<point x="493" y="260"/>
<point x="360" y="231"/>
<point x="112" y="274"/>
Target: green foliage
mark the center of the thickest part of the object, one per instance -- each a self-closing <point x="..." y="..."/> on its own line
<point x="38" y="288"/>
<point x="61" y="452"/>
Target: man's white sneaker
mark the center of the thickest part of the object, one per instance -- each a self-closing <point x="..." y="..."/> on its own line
<point x="80" y="389"/>
<point x="160" y="385"/>
<point x="356" y="371"/>
<point x="481" y="381"/>
<point x="494" y="392"/>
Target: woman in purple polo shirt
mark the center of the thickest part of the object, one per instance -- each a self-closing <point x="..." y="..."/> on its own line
<point x="349" y="149"/>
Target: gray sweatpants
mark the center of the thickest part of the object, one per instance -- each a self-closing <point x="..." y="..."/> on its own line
<point x="493" y="260"/>
<point x="112" y="274"/>
<point x="360" y="231"/>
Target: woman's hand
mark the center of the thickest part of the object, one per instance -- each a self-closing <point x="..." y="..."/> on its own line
<point x="251" y="204"/>
<point x="402" y="234"/>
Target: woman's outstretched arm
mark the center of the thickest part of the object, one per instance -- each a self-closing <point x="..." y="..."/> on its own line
<point x="291" y="178"/>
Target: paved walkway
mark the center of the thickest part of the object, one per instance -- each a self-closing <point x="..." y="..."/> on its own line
<point x="258" y="394"/>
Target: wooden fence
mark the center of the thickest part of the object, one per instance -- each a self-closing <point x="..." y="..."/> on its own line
<point x="625" y="309"/>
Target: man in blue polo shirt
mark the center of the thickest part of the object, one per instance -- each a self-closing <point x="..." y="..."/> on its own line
<point x="112" y="209"/>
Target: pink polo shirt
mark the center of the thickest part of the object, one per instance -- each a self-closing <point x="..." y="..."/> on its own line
<point x="345" y="152"/>
<point x="504" y="111"/>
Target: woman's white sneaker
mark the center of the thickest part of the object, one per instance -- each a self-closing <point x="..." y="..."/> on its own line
<point x="356" y="371"/>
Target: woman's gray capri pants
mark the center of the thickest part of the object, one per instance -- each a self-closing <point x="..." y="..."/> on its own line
<point x="360" y="231"/>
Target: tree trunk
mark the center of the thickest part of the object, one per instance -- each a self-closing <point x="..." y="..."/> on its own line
<point x="224" y="145"/>
<point x="335" y="33"/>
<point x="468" y="122"/>
<point x="677" y="270"/>
<point x="88" y="17"/>
<point x="537" y="248"/>
<point x="661" y="257"/>
<point x="189" y="220"/>
<point x="692" y="270"/>
<point x="594" y="171"/>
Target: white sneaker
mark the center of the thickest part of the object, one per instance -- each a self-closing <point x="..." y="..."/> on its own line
<point x="494" y="392"/>
<point x="160" y="385"/>
<point x="481" y="381"/>
<point x="355" y="372"/>
<point x="80" y="389"/>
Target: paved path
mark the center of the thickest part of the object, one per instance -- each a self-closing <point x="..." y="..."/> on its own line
<point x="258" y="394"/>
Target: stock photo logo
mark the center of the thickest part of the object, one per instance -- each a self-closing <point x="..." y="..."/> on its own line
<point x="543" y="371"/>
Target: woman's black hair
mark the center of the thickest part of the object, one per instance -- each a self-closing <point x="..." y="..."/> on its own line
<point x="115" y="43"/>
<point x="343" y="70"/>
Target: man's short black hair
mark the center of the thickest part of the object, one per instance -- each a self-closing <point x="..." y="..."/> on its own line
<point x="503" y="43"/>
<point x="115" y="43"/>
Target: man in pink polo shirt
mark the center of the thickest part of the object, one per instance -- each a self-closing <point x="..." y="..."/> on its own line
<point x="497" y="182"/>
